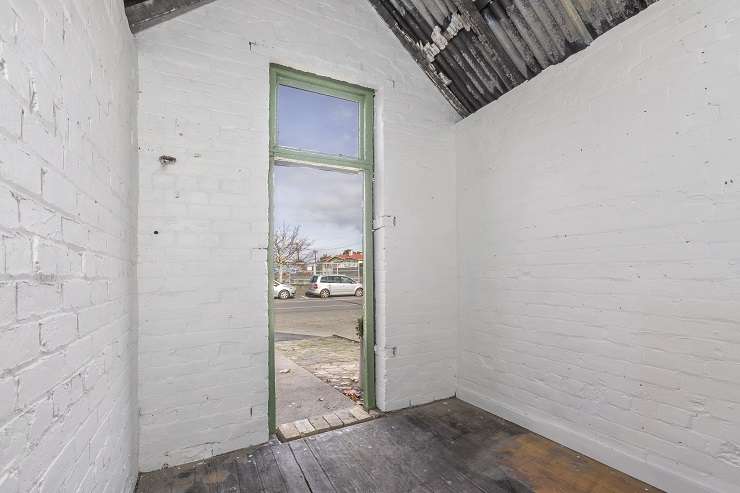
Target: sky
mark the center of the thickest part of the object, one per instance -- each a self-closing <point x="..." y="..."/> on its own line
<point x="326" y="204"/>
<point x="315" y="122"/>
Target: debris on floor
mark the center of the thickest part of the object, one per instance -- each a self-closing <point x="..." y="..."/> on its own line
<point x="353" y="394"/>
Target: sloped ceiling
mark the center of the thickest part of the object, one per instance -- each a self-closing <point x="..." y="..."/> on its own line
<point x="145" y="13"/>
<point x="472" y="50"/>
<point x="475" y="51"/>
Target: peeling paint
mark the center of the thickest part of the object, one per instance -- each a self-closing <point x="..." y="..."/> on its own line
<point x="505" y="42"/>
<point x="33" y="96"/>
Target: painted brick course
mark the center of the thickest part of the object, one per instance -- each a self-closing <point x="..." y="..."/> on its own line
<point x="593" y="213"/>
<point x="599" y="227"/>
<point x="203" y="302"/>
<point x="67" y="230"/>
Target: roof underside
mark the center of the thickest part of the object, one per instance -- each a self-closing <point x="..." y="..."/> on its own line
<point x="475" y="51"/>
<point x="145" y="13"/>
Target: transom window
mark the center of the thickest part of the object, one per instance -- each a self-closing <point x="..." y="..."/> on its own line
<point x="314" y="122"/>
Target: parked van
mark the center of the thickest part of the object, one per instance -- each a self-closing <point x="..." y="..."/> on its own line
<point x="334" y="285"/>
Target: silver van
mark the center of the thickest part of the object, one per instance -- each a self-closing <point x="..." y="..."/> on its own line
<point x="334" y="285"/>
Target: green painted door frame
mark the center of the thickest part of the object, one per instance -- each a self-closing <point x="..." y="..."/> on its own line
<point x="280" y="75"/>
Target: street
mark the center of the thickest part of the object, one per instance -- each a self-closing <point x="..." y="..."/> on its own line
<point x="318" y="316"/>
<point x="313" y="305"/>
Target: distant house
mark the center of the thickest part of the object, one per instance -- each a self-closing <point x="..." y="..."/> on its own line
<point x="346" y="260"/>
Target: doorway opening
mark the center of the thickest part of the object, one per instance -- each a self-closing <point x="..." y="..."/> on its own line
<point x="321" y="323"/>
<point x="318" y="290"/>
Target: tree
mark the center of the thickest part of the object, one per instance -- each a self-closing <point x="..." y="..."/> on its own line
<point x="289" y="247"/>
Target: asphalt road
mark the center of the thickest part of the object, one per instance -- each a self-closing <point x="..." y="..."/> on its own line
<point x="313" y="305"/>
<point x="318" y="316"/>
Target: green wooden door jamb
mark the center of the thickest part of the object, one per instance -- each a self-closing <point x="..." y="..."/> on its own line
<point x="280" y="75"/>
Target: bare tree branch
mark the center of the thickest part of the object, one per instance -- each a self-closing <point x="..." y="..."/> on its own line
<point x="289" y="247"/>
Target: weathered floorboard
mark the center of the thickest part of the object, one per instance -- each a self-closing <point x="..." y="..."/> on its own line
<point x="447" y="446"/>
<point x="289" y="468"/>
<point x="268" y="470"/>
<point x="341" y="465"/>
<point x="249" y="480"/>
<point x="312" y="471"/>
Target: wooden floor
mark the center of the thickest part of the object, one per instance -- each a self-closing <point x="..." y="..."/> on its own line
<point x="447" y="446"/>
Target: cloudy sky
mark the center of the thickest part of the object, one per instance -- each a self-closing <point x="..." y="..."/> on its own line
<point x="315" y="122"/>
<point x="326" y="204"/>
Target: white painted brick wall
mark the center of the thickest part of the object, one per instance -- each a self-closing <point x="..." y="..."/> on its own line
<point x="67" y="232"/>
<point x="599" y="245"/>
<point x="597" y="237"/>
<point x="203" y="303"/>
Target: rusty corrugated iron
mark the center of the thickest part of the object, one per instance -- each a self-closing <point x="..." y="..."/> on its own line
<point x="475" y="51"/>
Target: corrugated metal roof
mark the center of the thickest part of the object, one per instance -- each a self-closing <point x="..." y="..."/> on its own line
<point x="475" y="51"/>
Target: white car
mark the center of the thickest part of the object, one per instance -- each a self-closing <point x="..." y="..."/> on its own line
<point x="335" y="285"/>
<point x="282" y="291"/>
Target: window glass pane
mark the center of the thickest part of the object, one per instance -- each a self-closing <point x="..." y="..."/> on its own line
<point x="310" y="121"/>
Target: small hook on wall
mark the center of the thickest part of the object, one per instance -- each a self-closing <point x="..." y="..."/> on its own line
<point x="167" y="160"/>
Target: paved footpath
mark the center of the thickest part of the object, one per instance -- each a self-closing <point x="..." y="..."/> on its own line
<point x="301" y="395"/>
<point x="333" y="360"/>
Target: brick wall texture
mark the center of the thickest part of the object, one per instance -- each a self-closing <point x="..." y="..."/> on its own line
<point x="202" y="292"/>
<point x="67" y="246"/>
<point x="599" y="246"/>
<point x="567" y="257"/>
